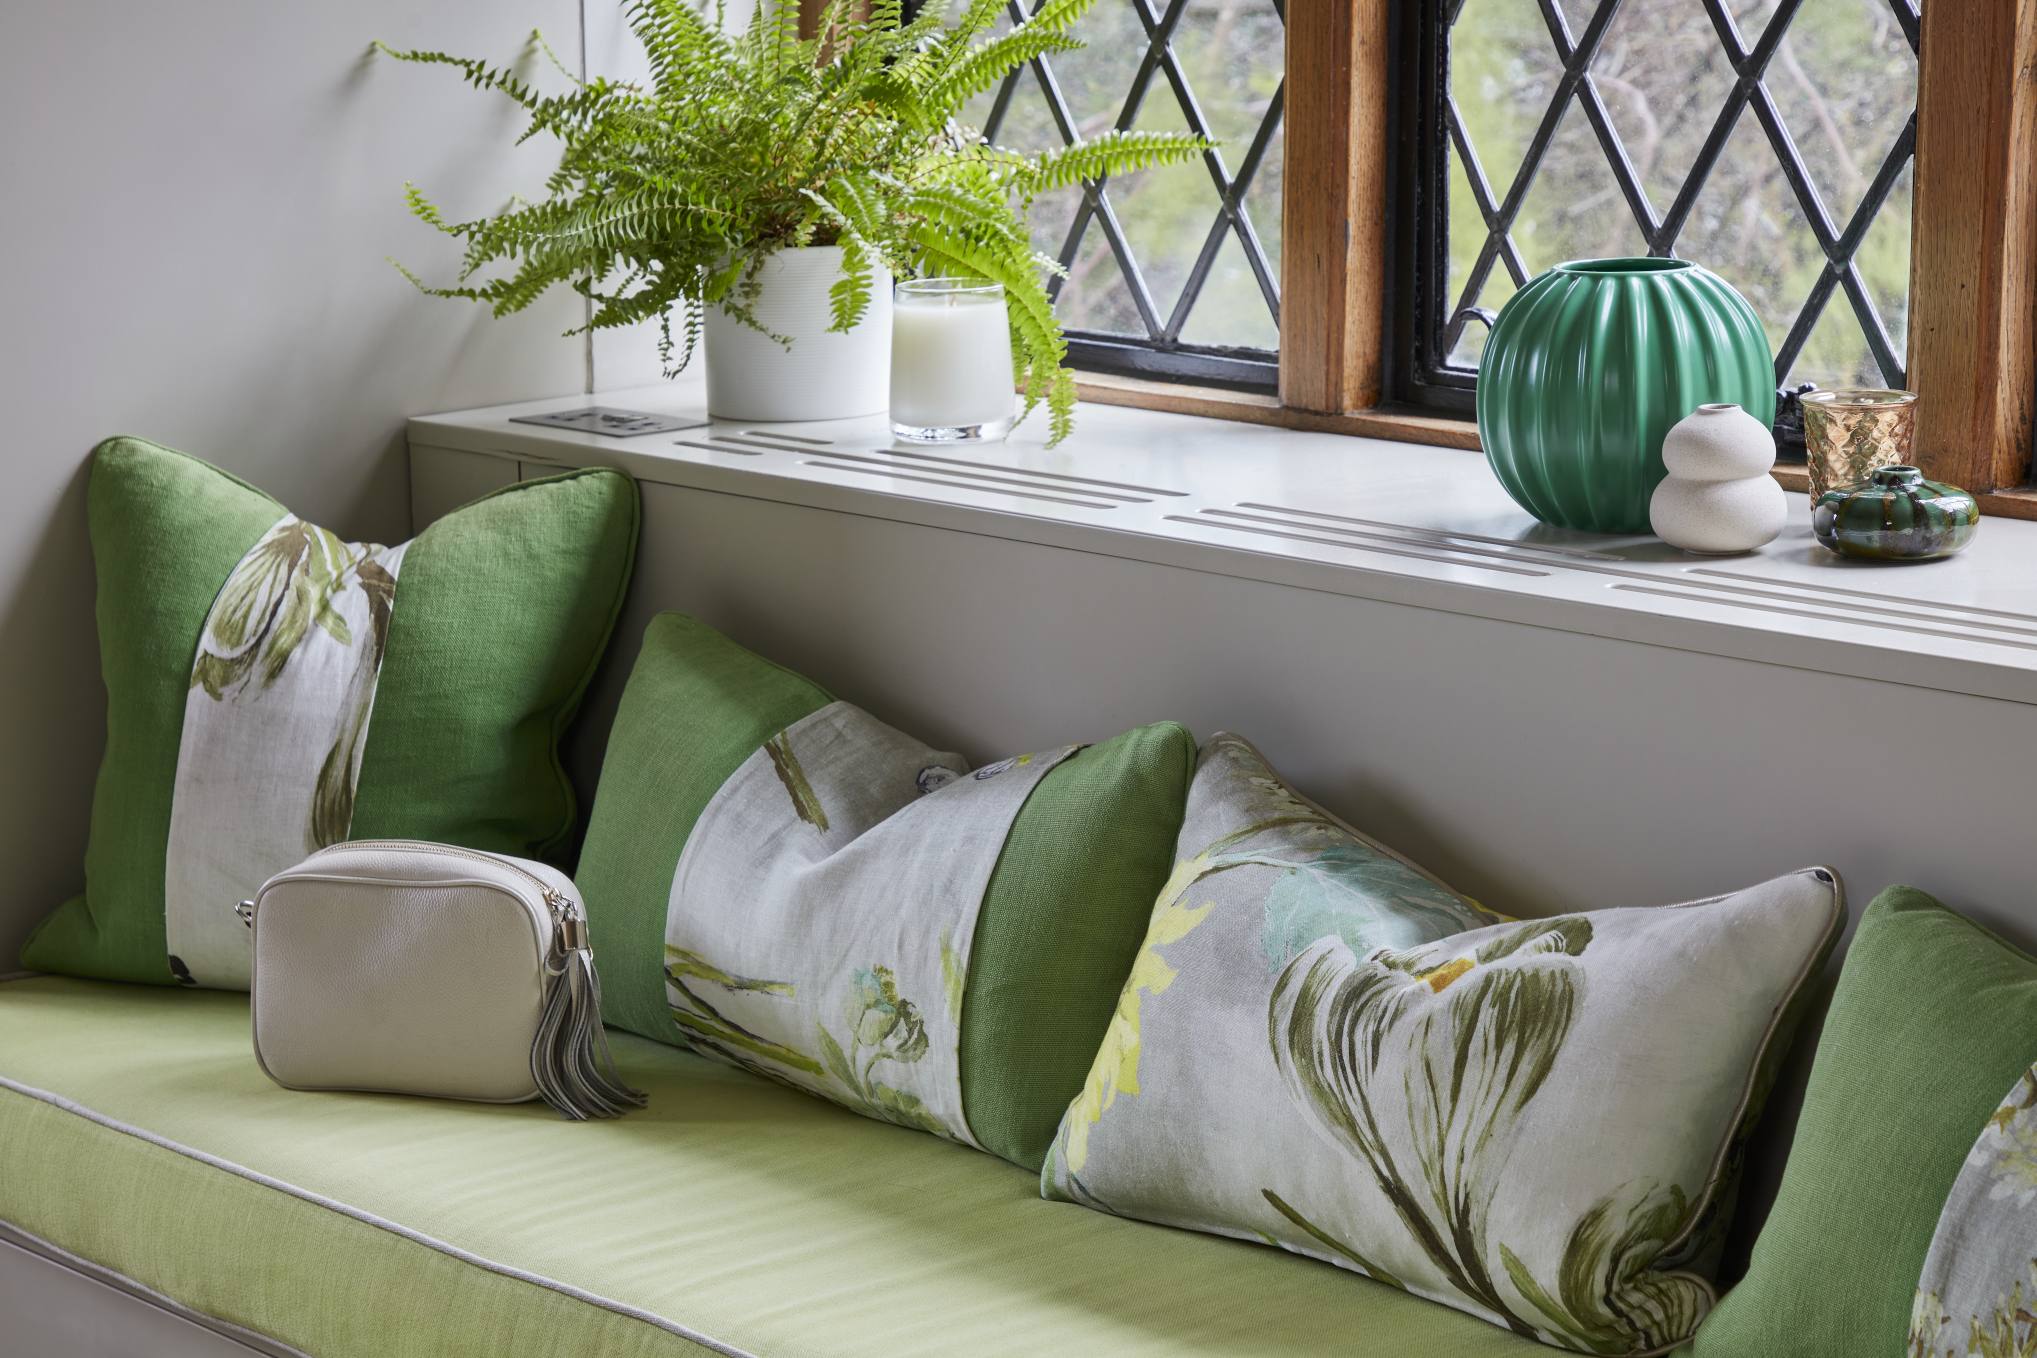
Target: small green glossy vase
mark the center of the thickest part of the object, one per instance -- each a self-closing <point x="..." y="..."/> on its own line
<point x="1895" y="515"/>
<point x="1590" y="364"/>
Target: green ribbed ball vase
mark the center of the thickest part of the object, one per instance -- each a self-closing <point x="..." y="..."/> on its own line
<point x="1590" y="364"/>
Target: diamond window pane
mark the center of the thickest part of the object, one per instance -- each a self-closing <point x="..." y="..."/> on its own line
<point x="1183" y="259"/>
<point x="1769" y="140"/>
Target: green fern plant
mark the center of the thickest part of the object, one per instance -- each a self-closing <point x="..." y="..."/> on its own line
<point x="669" y="195"/>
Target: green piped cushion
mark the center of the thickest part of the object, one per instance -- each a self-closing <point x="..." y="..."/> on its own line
<point x="731" y="1216"/>
<point x="1322" y="1048"/>
<point x="271" y="688"/>
<point x="1002" y="978"/>
<point x="1933" y="1020"/>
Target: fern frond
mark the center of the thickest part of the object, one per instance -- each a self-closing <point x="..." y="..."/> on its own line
<point x="1101" y="157"/>
<point x="849" y="297"/>
<point x="963" y="212"/>
<point x="985" y="65"/>
<point x="479" y="74"/>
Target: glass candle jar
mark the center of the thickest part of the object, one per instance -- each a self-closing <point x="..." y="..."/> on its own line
<point x="1849" y="434"/>
<point x="951" y="379"/>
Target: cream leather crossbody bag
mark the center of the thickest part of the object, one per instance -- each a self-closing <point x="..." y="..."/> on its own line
<point x="411" y="968"/>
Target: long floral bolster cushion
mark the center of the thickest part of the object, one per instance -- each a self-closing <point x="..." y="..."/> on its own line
<point x="783" y="882"/>
<point x="1323" y="1048"/>
<point x="272" y="689"/>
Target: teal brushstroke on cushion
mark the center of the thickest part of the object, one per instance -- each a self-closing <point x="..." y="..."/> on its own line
<point x="1365" y="897"/>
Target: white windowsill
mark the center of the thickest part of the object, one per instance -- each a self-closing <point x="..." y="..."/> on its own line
<point x="1425" y="527"/>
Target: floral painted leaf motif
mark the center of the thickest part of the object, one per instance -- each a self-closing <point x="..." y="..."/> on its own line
<point x="713" y="1033"/>
<point x="283" y="587"/>
<point x="1607" y="1301"/>
<point x="883" y="1026"/>
<point x="883" y="1019"/>
<point x="681" y="962"/>
<point x="250" y="604"/>
<point x="1330" y="1242"/>
<point x="1930" y="1329"/>
<point x="1116" y="1068"/>
<point x="332" y="805"/>
<point x="321" y="570"/>
<point x="954" y="976"/>
<point x="380" y="586"/>
<point x="837" y="1061"/>
<point x="332" y="800"/>
<point x="805" y="804"/>
<point x="2010" y="1329"/>
<point x="2007" y="1146"/>
<point x="1569" y="935"/>
<point x="2003" y="1328"/>
<point x="1456" y="1047"/>
<point x="1369" y="899"/>
<point x="334" y="624"/>
<point x="904" y="1109"/>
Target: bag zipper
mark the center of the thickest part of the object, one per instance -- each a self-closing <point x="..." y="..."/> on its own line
<point x="569" y="924"/>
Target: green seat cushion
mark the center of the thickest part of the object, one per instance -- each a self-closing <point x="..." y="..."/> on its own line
<point x="1933" y="1019"/>
<point x="1061" y="917"/>
<point x="483" y="644"/>
<point x="733" y="1211"/>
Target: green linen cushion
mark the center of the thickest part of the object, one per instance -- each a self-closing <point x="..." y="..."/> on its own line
<point x="272" y="689"/>
<point x="1322" y="1048"/>
<point x="1931" y="1021"/>
<point x="734" y="1211"/>
<point x="980" y="950"/>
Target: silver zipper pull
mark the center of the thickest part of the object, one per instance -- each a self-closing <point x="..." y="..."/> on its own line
<point x="245" y="911"/>
<point x="571" y="926"/>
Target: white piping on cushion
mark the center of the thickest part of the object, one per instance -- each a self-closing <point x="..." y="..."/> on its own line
<point x="369" y="1218"/>
<point x="13" y="1237"/>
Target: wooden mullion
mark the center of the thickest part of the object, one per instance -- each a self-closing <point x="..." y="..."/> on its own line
<point x="1216" y="403"/>
<point x="1973" y="261"/>
<point x="1333" y="208"/>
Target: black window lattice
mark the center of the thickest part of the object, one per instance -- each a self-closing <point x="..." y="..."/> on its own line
<point x="1161" y="350"/>
<point x="1439" y="312"/>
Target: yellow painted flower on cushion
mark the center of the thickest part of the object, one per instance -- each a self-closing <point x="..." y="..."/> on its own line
<point x="1117" y="1062"/>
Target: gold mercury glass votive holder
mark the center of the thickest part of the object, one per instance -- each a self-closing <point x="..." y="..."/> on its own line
<point x="1849" y="434"/>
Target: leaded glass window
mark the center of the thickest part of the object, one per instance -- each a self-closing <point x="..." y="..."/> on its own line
<point x="1173" y="272"/>
<point x="1769" y="140"/>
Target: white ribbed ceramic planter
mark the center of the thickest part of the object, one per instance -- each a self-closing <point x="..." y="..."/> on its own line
<point x="824" y="375"/>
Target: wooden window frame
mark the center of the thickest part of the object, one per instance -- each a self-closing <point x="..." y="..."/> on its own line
<point x="1973" y="263"/>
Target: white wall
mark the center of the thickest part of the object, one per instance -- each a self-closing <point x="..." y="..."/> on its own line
<point x="195" y="205"/>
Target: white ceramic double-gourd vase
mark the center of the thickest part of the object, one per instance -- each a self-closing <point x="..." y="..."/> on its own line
<point x="1718" y="498"/>
<point x="825" y="375"/>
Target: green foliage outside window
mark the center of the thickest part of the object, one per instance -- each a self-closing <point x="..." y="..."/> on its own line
<point x="1844" y="83"/>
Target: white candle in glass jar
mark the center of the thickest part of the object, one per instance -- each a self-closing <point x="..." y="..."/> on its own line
<point x="951" y="375"/>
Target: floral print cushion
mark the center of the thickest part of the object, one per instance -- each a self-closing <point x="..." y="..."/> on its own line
<point x="1977" y="1297"/>
<point x="823" y="912"/>
<point x="273" y="688"/>
<point x="269" y="764"/>
<point x="1324" y="1049"/>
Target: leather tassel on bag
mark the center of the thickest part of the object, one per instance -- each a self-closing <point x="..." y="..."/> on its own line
<point x="570" y="1058"/>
